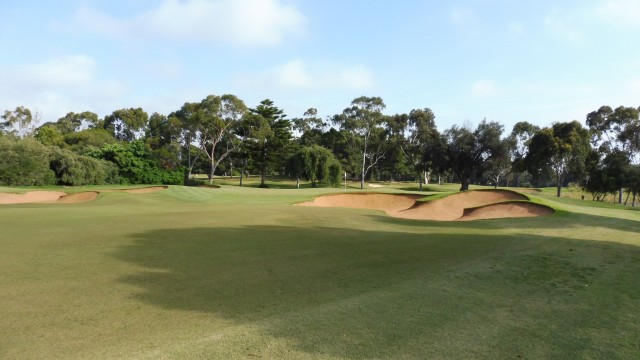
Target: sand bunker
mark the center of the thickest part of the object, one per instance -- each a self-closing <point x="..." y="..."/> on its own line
<point x="384" y="202"/>
<point x="47" y="197"/>
<point x="31" y="197"/>
<point x="59" y="197"/>
<point x="452" y="207"/>
<point x="78" y="198"/>
<point x="464" y="206"/>
<point x="513" y="208"/>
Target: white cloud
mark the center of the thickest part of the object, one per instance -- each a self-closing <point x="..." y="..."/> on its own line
<point x="292" y="74"/>
<point x="484" y="88"/>
<point x="58" y="85"/>
<point x="69" y="70"/>
<point x="354" y="77"/>
<point x="619" y="13"/>
<point x="297" y="74"/>
<point x="576" y="24"/>
<point x="243" y="22"/>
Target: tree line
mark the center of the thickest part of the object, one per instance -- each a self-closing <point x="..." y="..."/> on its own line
<point x="220" y="135"/>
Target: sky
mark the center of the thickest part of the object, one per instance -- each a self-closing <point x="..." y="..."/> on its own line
<point x="502" y="60"/>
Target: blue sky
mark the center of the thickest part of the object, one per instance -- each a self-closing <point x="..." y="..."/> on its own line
<point x="504" y="60"/>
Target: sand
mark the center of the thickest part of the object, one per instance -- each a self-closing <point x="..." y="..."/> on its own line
<point x="31" y="197"/>
<point x="452" y="207"/>
<point x="78" y="198"/>
<point x="59" y="197"/>
<point x="468" y="205"/>
<point x="375" y="201"/>
<point x="512" y="208"/>
<point x="47" y="197"/>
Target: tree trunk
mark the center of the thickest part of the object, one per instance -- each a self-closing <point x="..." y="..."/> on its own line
<point x="620" y="196"/>
<point x="190" y="164"/>
<point x="244" y="163"/>
<point x="560" y="178"/>
<point x="298" y="182"/>
<point x="464" y="184"/>
<point x="633" y="201"/>
<point x="211" y="171"/>
<point x="420" y="181"/>
<point x="263" y="165"/>
<point x="364" y="164"/>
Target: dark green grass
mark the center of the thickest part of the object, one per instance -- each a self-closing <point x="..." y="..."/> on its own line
<point x="231" y="273"/>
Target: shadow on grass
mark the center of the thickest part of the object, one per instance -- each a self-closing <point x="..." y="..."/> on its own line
<point x="358" y="294"/>
<point x="251" y="272"/>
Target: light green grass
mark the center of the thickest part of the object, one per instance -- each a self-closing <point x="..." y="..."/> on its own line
<point x="239" y="273"/>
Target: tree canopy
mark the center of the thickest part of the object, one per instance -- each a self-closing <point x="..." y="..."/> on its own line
<point x="221" y="136"/>
<point x="561" y="149"/>
<point x="362" y="123"/>
<point x="468" y="150"/>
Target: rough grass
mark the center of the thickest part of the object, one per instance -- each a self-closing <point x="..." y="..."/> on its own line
<point x="237" y="273"/>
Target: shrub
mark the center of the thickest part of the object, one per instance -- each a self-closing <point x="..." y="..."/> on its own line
<point x="24" y="163"/>
<point x="134" y="165"/>
<point x="75" y="170"/>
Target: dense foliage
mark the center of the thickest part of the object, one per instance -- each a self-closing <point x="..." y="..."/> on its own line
<point x="24" y="162"/>
<point x="221" y="136"/>
<point x="315" y="164"/>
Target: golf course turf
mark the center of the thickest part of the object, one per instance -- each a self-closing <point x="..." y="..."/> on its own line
<point x="238" y="273"/>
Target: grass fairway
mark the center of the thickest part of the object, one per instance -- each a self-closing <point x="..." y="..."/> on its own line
<point x="239" y="273"/>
